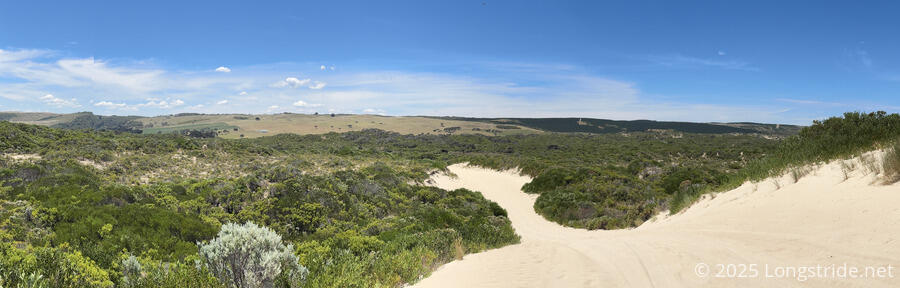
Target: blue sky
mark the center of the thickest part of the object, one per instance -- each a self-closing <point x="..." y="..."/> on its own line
<point x="765" y="61"/>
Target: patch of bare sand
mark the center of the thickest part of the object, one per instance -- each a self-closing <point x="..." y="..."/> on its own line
<point x="91" y="163"/>
<point x="22" y="157"/>
<point x="822" y="219"/>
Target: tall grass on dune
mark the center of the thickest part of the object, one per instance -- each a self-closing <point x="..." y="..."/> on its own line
<point x="890" y="164"/>
<point x="823" y="141"/>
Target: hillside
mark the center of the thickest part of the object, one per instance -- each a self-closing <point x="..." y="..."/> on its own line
<point x="604" y="126"/>
<point x="251" y="126"/>
<point x="354" y="204"/>
<point x="769" y="129"/>
<point x="80" y="120"/>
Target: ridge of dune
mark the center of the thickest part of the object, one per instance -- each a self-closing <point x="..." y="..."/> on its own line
<point x="775" y="225"/>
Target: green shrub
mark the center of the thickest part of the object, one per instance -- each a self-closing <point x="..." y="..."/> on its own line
<point x="549" y="179"/>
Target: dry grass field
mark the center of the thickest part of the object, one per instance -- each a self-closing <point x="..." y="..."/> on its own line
<point x="271" y="124"/>
<point x="37" y="118"/>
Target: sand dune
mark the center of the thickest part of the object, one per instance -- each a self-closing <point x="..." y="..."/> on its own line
<point x="822" y="220"/>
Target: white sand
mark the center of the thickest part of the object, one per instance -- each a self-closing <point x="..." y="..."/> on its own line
<point x="820" y="220"/>
<point x="22" y="157"/>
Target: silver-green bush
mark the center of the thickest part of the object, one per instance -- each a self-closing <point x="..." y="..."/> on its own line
<point x="250" y="256"/>
<point x="131" y="271"/>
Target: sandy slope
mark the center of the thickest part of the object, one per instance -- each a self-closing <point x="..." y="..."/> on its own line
<point x="820" y="220"/>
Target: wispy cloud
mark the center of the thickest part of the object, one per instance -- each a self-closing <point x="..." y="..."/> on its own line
<point x="810" y="102"/>
<point x="498" y="89"/>
<point x="318" y="85"/>
<point x="687" y="62"/>
<point x="860" y="60"/>
<point x="864" y="58"/>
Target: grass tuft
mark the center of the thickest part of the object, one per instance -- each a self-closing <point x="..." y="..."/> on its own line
<point x="847" y="167"/>
<point x="798" y="172"/>
<point x="890" y="164"/>
<point x="459" y="249"/>
<point x="870" y="163"/>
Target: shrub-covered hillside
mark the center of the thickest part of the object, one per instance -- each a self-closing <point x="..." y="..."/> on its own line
<point x="74" y="214"/>
<point x="84" y="208"/>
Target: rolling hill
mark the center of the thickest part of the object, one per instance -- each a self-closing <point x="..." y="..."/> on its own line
<point x="250" y="126"/>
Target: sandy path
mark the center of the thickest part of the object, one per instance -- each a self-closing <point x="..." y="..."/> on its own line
<point x="820" y="220"/>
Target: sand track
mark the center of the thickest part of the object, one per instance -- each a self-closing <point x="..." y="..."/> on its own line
<point x="820" y="220"/>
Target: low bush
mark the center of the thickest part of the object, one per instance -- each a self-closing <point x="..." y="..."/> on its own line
<point x="249" y="256"/>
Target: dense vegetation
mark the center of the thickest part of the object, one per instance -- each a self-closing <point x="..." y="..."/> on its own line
<point x="87" y="120"/>
<point x="84" y="208"/>
<point x="605" y="126"/>
<point x="74" y="213"/>
<point x="203" y="122"/>
<point x="88" y="208"/>
<point x="591" y="181"/>
<point x="620" y="180"/>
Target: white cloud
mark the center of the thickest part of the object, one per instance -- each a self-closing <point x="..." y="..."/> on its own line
<point x="318" y="85"/>
<point x="19" y="55"/>
<point x="222" y="102"/>
<point x="223" y="69"/>
<point x="322" y="67"/>
<point x="503" y="90"/>
<point x="291" y="82"/>
<point x="301" y="103"/>
<point x="332" y="68"/>
<point x="151" y="103"/>
<point x="107" y="104"/>
<point x="721" y="53"/>
<point x="162" y="104"/>
<point x="441" y="94"/>
<point x="49" y="99"/>
<point x="36" y="72"/>
<point x="98" y="72"/>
